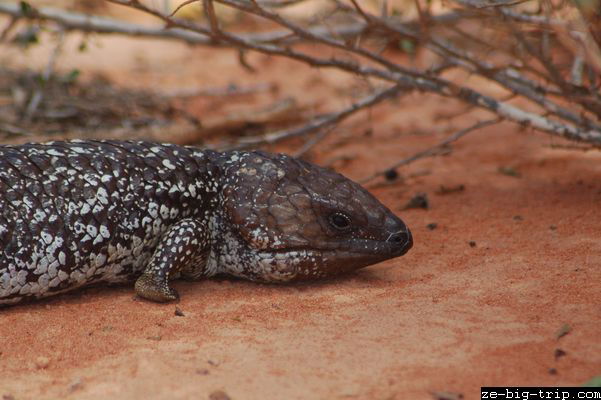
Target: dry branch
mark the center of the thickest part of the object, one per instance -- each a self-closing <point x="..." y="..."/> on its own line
<point x="545" y="95"/>
<point x="372" y="65"/>
<point x="89" y="23"/>
<point x="75" y="21"/>
<point x="104" y="25"/>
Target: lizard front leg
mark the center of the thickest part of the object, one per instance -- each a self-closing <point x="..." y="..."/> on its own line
<point x="181" y="247"/>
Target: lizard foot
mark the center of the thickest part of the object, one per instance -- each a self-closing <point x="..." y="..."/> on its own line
<point x="151" y="289"/>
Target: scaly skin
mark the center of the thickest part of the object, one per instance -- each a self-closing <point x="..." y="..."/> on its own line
<point x="81" y="212"/>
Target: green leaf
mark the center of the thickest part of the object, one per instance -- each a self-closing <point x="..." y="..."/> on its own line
<point x="27" y="37"/>
<point x="41" y="79"/>
<point x="407" y="45"/>
<point x="26" y="9"/>
<point x="564" y="330"/>
<point x="72" y="76"/>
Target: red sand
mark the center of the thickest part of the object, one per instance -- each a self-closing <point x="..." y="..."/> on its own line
<point x="445" y="317"/>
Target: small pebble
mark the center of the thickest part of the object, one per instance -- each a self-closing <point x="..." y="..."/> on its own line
<point x="76" y="384"/>
<point x="509" y="171"/>
<point x="442" y="190"/>
<point x="219" y="395"/>
<point x="472" y="243"/>
<point x="42" y="362"/>
<point x="552" y="371"/>
<point x="559" y="353"/>
<point x="419" y="200"/>
<point x="447" y="396"/>
<point x="431" y="226"/>
<point x="562" y="331"/>
<point x="179" y="312"/>
<point x="391" y="175"/>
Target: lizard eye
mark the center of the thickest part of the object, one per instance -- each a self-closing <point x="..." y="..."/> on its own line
<point x="340" y="221"/>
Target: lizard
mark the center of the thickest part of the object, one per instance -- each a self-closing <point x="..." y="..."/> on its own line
<point x="81" y="212"/>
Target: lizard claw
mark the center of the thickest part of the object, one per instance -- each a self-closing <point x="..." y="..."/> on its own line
<point x="149" y="288"/>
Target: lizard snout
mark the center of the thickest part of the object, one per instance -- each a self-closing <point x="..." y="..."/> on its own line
<point x="402" y="239"/>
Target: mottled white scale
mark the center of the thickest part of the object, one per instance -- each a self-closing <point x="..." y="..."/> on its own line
<point x="121" y="247"/>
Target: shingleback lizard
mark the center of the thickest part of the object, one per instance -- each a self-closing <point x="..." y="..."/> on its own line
<point x="82" y="212"/>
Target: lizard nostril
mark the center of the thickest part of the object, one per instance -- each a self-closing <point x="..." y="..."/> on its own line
<point x="402" y="238"/>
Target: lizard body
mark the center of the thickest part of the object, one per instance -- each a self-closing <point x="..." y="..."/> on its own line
<point x="81" y="212"/>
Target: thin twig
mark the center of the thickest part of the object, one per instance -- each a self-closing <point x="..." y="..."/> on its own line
<point x="12" y="129"/>
<point x="229" y="90"/>
<point x="309" y="144"/>
<point x="503" y="3"/>
<point x="210" y="13"/>
<point x="182" y="5"/>
<point x="38" y="94"/>
<point x="9" y="26"/>
<point x="434" y="150"/>
<point x="317" y="123"/>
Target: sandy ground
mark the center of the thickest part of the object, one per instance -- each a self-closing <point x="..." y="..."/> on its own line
<point x="449" y="316"/>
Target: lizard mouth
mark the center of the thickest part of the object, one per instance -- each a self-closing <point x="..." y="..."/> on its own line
<point x="397" y="244"/>
<point x="329" y="259"/>
<point x="322" y="258"/>
<point x="360" y="247"/>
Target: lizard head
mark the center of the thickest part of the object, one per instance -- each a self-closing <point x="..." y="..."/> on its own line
<point x="292" y="220"/>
